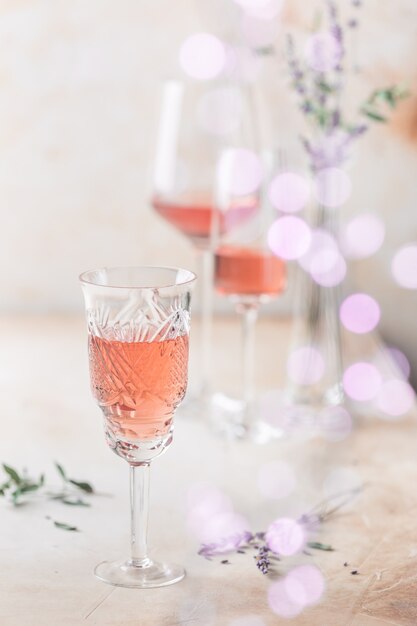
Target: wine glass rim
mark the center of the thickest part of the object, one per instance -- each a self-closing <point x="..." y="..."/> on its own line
<point x="86" y="277"/>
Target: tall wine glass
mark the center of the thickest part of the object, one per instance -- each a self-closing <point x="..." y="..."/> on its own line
<point x="247" y="273"/>
<point x="195" y="119"/>
<point x="138" y="326"/>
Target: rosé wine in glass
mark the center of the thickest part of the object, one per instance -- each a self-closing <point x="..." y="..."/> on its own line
<point x="244" y="271"/>
<point x="138" y="384"/>
<point x="193" y="214"/>
<point x="138" y="322"/>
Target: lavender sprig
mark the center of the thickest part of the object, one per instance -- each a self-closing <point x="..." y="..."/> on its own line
<point x="320" y="95"/>
<point x="265" y="558"/>
<point x="262" y="560"/>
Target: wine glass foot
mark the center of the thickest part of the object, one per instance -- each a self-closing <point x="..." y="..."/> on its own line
<point x="127" y="574"/>
<point x="234" y="420"/>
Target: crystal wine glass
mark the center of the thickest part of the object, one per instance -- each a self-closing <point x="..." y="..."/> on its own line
<point x="138" y="326"/>
<point x="195" y="120"/>
<point x="247" y="273"/>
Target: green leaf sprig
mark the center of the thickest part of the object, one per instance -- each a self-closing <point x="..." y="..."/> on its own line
<point x="18" y="484"/>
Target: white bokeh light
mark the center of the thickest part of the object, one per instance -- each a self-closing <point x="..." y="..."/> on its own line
<point x="262" y="9"/>
<point x="239" y="172"/>
<point x="222" y="527"/>
<point x="289" y="192"/>
<point x="258" y="32"/>
<point x="404" y="266"/>
<point x="333" y="187"/>
<point x="205" y="502"/>
<point x="363" y="236"/>
<point x="335" y="423"/>
<point x="202" y="56"/>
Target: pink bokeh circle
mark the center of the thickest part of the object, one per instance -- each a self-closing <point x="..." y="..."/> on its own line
<point x="328" y="268"/>
<point x="280" y="603"/>
<point x="289" y="237"/>
<point x="305" y="585"/>
<point x="360" y="313"/>
<point x="240" y="171"/>
<point x="362" y="381"/>
<point x="400" y="361"/>
<point x="322" y="241"/>
<point x="285" y="536"/>
<point x="395" y="398"/>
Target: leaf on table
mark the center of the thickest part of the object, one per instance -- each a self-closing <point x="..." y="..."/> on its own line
<point x="14" y="475"/>
<point x="27" y="487"/>
<point x="74" y="502"/>
<point x="374" y="115"/>
<point x="65" y="526"/>
<point x="61" y="471"/>
<point x="84" y="486"/>
<point x="317" y="545"/>
<point x="3" y="487"/>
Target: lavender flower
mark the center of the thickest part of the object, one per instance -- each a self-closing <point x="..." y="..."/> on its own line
<point x="265" y="556"/>
<point x="262" y="560"/>
<point x="227" y="544"/>
<point x="320" y="89"/>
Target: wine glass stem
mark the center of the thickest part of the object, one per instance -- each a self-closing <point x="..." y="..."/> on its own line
<point x="206" y="273"/>
<point x="249" y="313"/>
<point x="139" y="513"/>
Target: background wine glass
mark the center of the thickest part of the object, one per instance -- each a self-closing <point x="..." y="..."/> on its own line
<point x="195" y="121"/>
<point x="247" y="273"/>
<point x="183" y="189"/>
<point x="138" y="327"/>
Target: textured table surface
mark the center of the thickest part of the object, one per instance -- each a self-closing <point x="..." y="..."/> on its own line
<point x="46" y="573"/>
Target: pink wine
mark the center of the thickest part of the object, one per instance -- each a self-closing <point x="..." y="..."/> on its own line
<point x="193" y="214"/>
<point x="247" y="271"/>
<point x="139" y="384"/>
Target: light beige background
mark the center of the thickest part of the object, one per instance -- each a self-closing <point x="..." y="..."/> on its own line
<point x="78" y="94"/>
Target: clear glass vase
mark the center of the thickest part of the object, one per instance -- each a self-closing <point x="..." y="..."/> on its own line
<point x="315" y="361"/>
